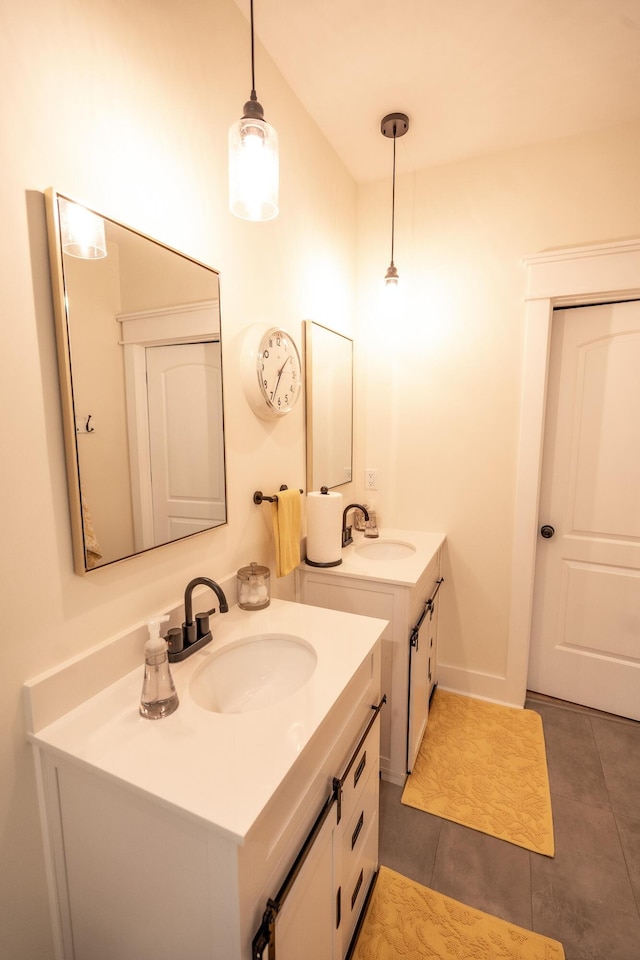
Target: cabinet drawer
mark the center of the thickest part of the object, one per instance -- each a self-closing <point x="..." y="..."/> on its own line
<point x="356" y="828"/>
<point x="366" y="760"/>
<point x="355" y="889"/>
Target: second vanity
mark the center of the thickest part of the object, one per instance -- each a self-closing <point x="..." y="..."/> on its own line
<point x="395" y="577"/>
<point x="169" y="838"/>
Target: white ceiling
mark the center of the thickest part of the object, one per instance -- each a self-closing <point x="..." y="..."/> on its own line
<point x="474" y="76"/>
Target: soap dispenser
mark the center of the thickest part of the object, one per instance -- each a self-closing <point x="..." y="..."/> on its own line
<point x="159" y="697"/>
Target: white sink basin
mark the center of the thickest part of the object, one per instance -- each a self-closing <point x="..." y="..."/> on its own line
<point x="253" y="673"/>
<point x="385" y="549"/>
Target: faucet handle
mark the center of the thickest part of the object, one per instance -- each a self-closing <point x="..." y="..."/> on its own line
<point x="202" y="623"/>
<point x="175" y="640"/>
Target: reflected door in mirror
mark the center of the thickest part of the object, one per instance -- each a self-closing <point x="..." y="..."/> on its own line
<point x="186" y="449"/>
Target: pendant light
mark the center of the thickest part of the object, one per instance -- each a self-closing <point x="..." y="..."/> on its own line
<point x="394" y="125"/>
<point x="253" y="159"/>
<point x="82" y="232"/>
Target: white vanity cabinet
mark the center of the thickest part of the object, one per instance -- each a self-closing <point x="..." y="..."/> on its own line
<point x="397" y="591"/>
<point x="139" y="882"/>
<point x="168" y="838"/>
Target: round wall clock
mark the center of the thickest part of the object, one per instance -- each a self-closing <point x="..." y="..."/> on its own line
<point x="272" y="372"/>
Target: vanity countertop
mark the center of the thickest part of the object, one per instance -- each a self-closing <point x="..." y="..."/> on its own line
<point x="222" y="768"/>
<point x="405" y="571"/>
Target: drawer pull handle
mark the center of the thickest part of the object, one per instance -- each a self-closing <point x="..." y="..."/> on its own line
<point x="356" y="889"/>
<point x="356" y="832"/>
<point x="338" y="907"/>
<point x="360" y="768"/>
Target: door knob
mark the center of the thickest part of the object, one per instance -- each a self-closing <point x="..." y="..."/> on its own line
<point x="547" y="531"/>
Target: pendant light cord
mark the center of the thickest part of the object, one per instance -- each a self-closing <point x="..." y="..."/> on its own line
<point x="393" y="196"/>
<point x="254" y="95"/>
<point x="392" y="126"/>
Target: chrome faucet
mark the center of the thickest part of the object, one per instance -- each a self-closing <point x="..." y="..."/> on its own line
<point x="346" y="531"/>
<point x="194" y="633"/>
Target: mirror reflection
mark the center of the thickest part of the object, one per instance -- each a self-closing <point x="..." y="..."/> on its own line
<point x="138" y="328"/>
<point x="329" y="379"/>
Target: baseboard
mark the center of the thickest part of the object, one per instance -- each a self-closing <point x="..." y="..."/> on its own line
<point x="471" y="683"/>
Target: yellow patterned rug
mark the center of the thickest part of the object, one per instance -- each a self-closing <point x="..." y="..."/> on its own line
<point x="406" y="920"/>
<point x="484" y="766"/>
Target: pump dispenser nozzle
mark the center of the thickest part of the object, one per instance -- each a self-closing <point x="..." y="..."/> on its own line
<point x="159" y="697"/>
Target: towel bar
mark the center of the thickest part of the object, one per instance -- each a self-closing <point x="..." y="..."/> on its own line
<point x="259" y="496"/>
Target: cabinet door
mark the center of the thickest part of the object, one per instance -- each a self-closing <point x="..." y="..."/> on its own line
<point x="433" y="647"/>
<point x="419" y="689"/>
<point x="304" y="926"/>
<point x="422" y="664"/>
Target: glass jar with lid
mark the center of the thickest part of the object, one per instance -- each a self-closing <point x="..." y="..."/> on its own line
<point x="254" y="587"/>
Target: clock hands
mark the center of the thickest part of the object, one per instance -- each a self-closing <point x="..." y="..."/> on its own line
<point x="275" y="389"/>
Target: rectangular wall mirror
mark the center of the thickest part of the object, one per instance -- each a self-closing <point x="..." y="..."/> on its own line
<point x="329" y="378"/>
<point x="138" y="333"/>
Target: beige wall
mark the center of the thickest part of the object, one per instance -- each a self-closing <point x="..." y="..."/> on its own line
<point x="439" y="395"/>
<point x="126" y="106"/>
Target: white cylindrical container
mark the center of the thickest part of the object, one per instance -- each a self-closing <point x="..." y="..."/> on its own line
<point x="324" y="528"/>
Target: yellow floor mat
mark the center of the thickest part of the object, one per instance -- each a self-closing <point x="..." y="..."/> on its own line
<point x="484" y="766"/>
<point x="406" y="921"/>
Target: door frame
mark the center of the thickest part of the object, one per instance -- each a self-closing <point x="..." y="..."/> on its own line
<point x="560" y="278"/>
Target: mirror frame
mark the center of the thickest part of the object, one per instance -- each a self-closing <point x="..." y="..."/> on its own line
<point x="63" y="347"/>
<point x="311" y="385"/>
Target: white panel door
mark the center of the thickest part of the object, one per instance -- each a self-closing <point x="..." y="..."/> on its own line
<point x="184" y="390"/>
<point x="585" y="642"/>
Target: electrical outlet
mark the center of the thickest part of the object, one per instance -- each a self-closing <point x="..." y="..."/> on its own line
<point x="370" y="479"/>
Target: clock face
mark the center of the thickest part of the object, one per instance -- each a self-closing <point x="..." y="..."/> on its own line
<point x="279" y="371"/>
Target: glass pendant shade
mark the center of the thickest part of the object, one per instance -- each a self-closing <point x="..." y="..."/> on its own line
<point x="253" y="169"/>
<point x="82" y="232"/>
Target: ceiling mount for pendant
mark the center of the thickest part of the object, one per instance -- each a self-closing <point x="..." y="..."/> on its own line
<point x="394" y="125"/>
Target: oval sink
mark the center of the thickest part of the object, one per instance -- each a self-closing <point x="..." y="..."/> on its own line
<point x="253" y="673"/>
<point x="385" y="549"/>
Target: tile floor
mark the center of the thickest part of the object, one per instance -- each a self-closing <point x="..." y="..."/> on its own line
<point x="588" y="895"/>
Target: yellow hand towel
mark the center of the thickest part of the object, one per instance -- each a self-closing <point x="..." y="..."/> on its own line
<point x="286" y="529"/>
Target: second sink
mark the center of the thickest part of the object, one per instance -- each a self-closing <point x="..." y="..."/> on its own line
<point x="385" y="549"/>
<point x="253" y="673"/>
